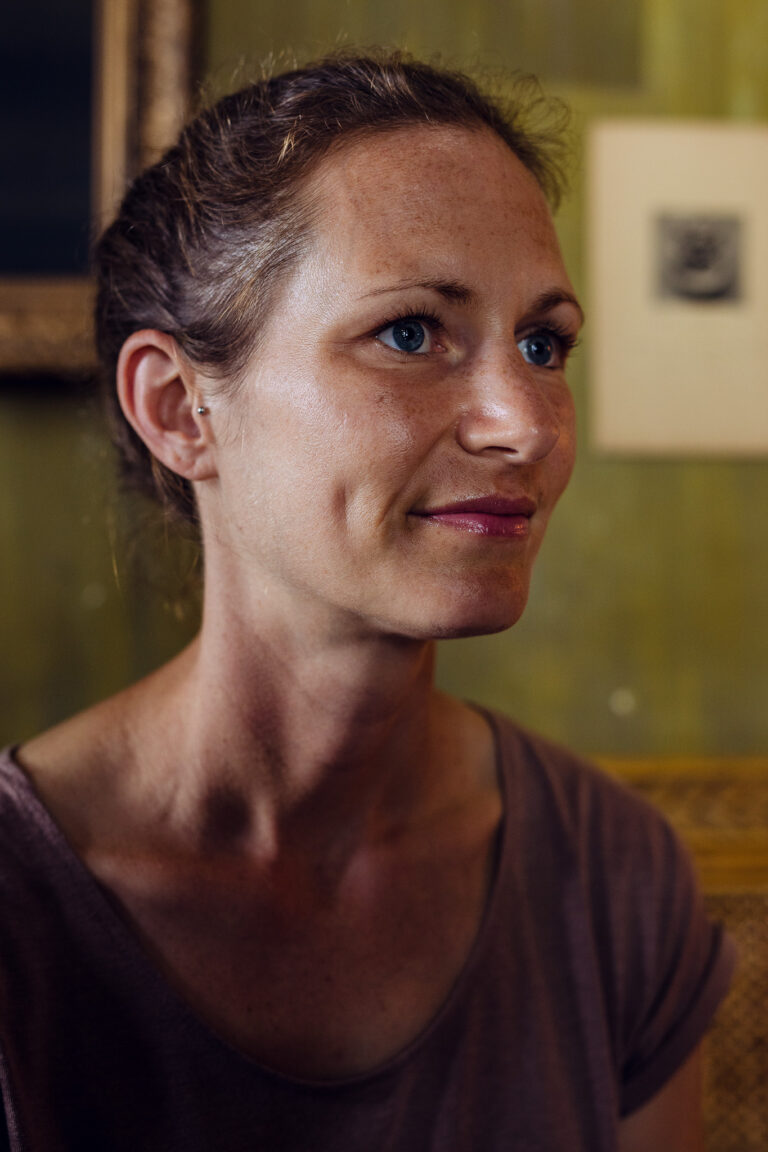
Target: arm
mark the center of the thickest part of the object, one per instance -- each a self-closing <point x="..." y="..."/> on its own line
<point x="671" y="1120"/>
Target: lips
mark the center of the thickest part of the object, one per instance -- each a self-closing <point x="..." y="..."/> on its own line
<point x="495" y="515"/>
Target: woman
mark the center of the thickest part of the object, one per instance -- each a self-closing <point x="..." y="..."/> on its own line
<point x="283" y="894"/>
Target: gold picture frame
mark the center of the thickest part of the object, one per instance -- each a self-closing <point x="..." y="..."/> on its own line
<point x="719" y="805"/>
<point x="720" y="808"/>
<point x="143" y="85"/>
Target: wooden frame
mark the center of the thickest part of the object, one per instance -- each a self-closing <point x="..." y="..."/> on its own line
<point x="720" y="808"/>
<point x="142" y="92"/>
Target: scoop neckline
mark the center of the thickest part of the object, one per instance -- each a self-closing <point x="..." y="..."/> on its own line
<point x="132" y="952"/>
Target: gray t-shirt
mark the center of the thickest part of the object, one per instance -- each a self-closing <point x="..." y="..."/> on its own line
<point x="594" y="975"/>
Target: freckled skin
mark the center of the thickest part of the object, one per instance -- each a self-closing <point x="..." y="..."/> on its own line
<point x="334" y="439"/>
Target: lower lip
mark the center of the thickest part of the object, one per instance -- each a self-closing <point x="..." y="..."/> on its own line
<point x="483" y="523"/>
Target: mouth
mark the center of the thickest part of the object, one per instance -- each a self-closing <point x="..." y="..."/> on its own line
<point x="498" y="516"/>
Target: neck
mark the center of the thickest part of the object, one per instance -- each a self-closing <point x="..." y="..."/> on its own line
<point x="289" y="736"/>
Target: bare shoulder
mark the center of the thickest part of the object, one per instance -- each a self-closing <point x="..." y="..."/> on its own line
<point x="72" y="764"/>
<point x="82" y="769"/>
<point x="105" y="734"/>
<point x="78" y="743"/>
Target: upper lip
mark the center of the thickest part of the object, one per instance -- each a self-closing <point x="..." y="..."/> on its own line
<point x="491" y="505"/>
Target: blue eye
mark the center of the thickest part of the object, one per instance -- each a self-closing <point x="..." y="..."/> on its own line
<point x="406" y="335"/>
<point x="539" y="349"/>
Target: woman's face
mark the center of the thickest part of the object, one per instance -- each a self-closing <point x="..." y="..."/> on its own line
<point x="404" y="429"/>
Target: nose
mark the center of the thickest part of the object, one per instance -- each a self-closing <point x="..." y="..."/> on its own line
<point x="511" y="413"/>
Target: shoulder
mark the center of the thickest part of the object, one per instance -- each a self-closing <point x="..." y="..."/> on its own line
<point x="32" y="877"/>
<point x="28" y="837"/>
<point x="567" y="792"/>
<point x="18" y="810"/>
<point x="79" y="770"/>
<point x="610" y="868"/>
<point x="591" y="833"/>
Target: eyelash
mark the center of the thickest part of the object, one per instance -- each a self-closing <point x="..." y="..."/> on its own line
<point x="423" y="314"/>
<point x="564" y="337"/>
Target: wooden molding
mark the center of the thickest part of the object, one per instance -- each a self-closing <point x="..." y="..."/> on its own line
<point x="45" y="325"/>
<point x="719" y="806"/>
<point x="143" y="83"/>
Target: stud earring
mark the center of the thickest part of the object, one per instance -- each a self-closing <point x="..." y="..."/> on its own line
<point x="201" y="411"/>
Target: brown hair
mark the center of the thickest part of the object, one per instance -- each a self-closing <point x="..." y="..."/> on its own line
<point x="204" y="236"/>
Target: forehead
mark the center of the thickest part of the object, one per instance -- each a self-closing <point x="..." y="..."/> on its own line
<point x="451" y="191"/>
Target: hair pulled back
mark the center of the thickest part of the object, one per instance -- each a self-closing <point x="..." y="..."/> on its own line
<point x="204" y="236"/>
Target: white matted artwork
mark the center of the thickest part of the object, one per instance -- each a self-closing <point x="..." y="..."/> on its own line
<point x="678" y="237"/>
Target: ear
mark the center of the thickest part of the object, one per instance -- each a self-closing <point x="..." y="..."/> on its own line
<point x="159" y="393"/>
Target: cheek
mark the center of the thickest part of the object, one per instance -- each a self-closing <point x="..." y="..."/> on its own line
<point x="568" y="462"/>
<point x="378" y="435"/>
<point x="347" y="451"/>
<point x="397" y="428"/>
<point x="567" y="440"/>
<point x="558" y="467"/>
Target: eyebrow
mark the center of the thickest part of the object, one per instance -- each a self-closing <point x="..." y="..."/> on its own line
<point x="450" y="289"/>
<point x="460" y="294"/>
<point x="548" y="300"/>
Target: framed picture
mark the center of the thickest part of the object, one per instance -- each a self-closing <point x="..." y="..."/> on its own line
<point x="679" y="288"/>
<point x="96" y="90"/>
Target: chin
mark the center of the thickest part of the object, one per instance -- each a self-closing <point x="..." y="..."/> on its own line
<point x="463" y="615"/>
<point x="474" y="627"/>
<point x="484" y="628"/>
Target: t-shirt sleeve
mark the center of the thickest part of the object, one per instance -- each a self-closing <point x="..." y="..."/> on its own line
<point x="645" y="967"/>
<point x="672" y="965"/>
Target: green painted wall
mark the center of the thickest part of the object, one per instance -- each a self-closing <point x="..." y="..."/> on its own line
<point x="647" y="630"/>
<point x="92" y="592"/>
